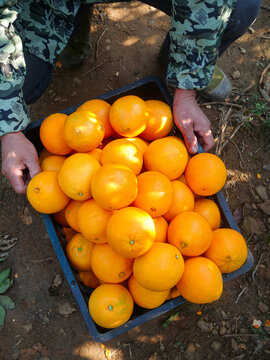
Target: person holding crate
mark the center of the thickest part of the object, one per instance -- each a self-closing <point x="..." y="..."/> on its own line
<point x="34" y="34"/>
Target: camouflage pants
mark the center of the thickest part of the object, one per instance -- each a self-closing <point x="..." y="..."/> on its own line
<point x="39" y="72"/>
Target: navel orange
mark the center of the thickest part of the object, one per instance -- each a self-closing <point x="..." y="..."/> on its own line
<point x="228" y="250"/>
<point x="110" y="305"/>
<point x="89" y="279"/>
<point x="167" y="155"/>
<point x="130" y="232"/>
<point x="160" y="121"/>
<point x="161" y="227"/>
<point x="201" y="282"/>
<point x="190" y="233"/>
<point x="209" y="210"/>
<point x="76" y="174"/>
<point x="160" y="268"/>
<point x="45" y="194"/>
<point x="71" y="214"/>
<point x="146" y="298"/>
<point x="109" y="266"/>
<point x="53" y="162"/>
<point x="92" y="221"/>
<point x="78" y="251"/>
<point x="114" y="186"/>
<point x="154" y="193"/>
<point x="205" y="174"/>
<point x="82" y="131"/>
<point x="129" y="115"/>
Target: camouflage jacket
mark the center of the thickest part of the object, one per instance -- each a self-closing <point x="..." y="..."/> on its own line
<point x="42" y="27"/>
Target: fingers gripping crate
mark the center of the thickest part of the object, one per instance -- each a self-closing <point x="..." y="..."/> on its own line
<point x="150" y="88"/>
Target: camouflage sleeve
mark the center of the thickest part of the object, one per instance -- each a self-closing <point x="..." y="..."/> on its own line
<point x="196" y="30"/>
<point x="13" y="110"/>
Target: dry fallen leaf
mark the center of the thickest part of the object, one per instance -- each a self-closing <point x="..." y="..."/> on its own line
<point x="25" y="216"/>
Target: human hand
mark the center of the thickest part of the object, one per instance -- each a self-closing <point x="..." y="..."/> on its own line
<point x="19" y="160"/>
<point x="191" y="121"/>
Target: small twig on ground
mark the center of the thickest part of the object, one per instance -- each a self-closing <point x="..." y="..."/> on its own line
<point x="263" y="73"/>
<point x="94" y="68"/>
<point x="98" y="40"/>
<point x="241" y="293"/>
<point x="42" y="260"/>
<point x="255" y="32"/>
<point x="256" y="267"/>
<point x="222" y="103"/>
<point x="231" y="136"/>
<point x="240" y="335"/>
<point x="241" y="157"/>
<point x="244" y="91"/>
<point x="265" y="142"/>
<point x="223" y="125"/>
<point x="265" y="7"/>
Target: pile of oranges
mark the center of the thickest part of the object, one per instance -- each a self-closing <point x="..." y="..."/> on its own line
<point x="134" y="207"/>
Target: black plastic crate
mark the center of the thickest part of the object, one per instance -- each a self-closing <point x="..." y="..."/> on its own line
<point x="150" y="88"/>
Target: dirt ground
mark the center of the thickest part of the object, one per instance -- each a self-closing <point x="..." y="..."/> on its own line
<point x="47" y="323"/>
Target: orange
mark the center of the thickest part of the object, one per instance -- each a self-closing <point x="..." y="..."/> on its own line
<point x="182" y="200"/>
<point x="53" y="162"/>
<point x="161" y="227"/>
<point x="209" y="210"/>
<point x="93" y="220"/>
<point x="76" y="174"/>
<point x="130" y="232"/>
<point x="160" y="121"/>
<point x="83" y="131"/>
<point x="43" y="154"/>
<point x="183" y="179"/>
<point x="154" y="193"/>
<point x="68" y="233"/>
<point x="79" y="251"/>
<point x="146" y="298"/>
<point x="99" y="109"/>
<point x="89" y="279"/>
<point x="167" y="155"/>
<point x="110" y="305"/>
<point x="45" y="194"/>
<point x="140" y="143"/>
<point x="96" y="153"/>
<point x="109" y="266"/>
<point x="71" y="214"/>
<point x="174" y="293"/>
<point x="114" y="186"/>
<point x="60" y="218"/>
<point x="190" y="233"/>
<point x="129" y="115"/>
<point x="205" y="174"/>
<point x="201" y="282"/>
<point x="51" y="134"/>
<point x="160" y="268"/>
<point x="228" y="250"/>
<point x="121" y="151"/>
